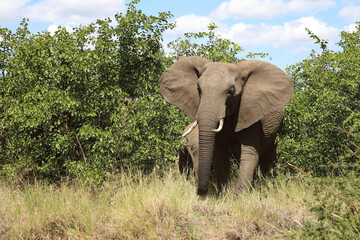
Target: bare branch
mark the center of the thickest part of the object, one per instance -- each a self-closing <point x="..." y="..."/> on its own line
<point x="81" y="149"/>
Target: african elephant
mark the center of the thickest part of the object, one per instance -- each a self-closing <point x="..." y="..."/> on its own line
<point x="238" y="109"/>
<point x="189" y="151"/>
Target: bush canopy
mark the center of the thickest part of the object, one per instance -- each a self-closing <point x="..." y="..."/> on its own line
<point x="321" y="130"/>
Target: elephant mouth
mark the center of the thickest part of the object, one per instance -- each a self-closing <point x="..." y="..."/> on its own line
<point x="221" y="124"/>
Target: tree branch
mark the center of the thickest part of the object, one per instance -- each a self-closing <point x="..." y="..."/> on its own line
<point x="81" y="149"/>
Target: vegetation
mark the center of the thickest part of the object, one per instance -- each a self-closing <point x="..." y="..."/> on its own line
<point x="337" y="209"/>
<point x="321" y="130"/>
<point x="86" y="102"/>
<point x="210" y="46"/>
<point x="84" y="107"/>
<point x="125" y="207"/>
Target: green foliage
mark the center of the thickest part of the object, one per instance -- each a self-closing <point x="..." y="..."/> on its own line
<point x="215" y="48"/>
<point x="337" y="209"/>
<point x="86" y="102"/>
<point x="321" y="132"/>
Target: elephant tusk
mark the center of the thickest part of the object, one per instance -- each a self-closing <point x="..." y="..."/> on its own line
<point x="190" y="129"/>
<point x="221" y="124"/>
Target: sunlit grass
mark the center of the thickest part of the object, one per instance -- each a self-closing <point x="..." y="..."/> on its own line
<point x="134" y="206"/>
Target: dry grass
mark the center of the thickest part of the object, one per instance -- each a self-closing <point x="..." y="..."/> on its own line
<point x="150" y="207"/>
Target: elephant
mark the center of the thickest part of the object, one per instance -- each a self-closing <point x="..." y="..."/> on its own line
<point x="189" y="151"/>
<point x="238" y="109"/>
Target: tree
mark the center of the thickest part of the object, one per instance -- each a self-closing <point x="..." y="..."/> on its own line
<point x="210" y="46"/>
<point x="321" y="132"/>
<point x="62" y="97"/>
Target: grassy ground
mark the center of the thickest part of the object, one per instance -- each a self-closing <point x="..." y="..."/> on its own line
<point x="134" y="206"/>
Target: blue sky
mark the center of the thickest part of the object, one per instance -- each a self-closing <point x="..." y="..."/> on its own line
<point x="273" y="26"/>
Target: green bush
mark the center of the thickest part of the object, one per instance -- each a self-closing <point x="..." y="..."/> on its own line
<point x="209" y="45"/>
<point x="321" y="125"/>
<point x="337" y="209"/>
<point x="86" y="102"/>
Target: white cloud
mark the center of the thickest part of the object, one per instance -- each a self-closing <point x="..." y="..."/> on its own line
<point x="289" y="34"/>
<point x="266" y="9"/>
<point x="350" y="28"/>
<point x="302" y="6"/>
<point x="247" y="9"/>
<point x="190" y="23"/>
<point x="350" y="13"/>
<point x="11" y="10"/>
<point x="54" y="27"/>
<point x="349" y="1"/>
<point x="71" y="12"/>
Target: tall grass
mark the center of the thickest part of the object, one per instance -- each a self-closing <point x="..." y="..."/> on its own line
<point x="134" y="206"/>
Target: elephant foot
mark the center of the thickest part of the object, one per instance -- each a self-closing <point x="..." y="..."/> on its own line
<point x="243" y="186"/>
<point x="201" y="192"/>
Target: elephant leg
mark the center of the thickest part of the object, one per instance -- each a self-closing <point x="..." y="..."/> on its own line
<point x="194" y="155"/>
<point x="249" y="157"/>
<point x="271" y="125"/>
<point x="266" y="160"/>
<point x="221" y="167"/>
<point x="191" y="147"/>
<point x="185" y="161"/>
<point x="196" y="167"/>
<point x="248" y="164"/>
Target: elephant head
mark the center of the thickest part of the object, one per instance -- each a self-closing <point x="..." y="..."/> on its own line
<point x="211" y="92"/>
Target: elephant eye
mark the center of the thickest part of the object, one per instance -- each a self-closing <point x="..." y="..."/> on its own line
<point x="231" y="92"/>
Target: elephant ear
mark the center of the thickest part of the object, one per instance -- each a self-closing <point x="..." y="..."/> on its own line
<point x="267" y="89"/>
<point x="178" y="84"/>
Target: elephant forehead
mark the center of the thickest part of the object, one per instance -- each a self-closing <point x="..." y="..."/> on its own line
<point x="218" y="66"/>
<point x="220" y="71"/>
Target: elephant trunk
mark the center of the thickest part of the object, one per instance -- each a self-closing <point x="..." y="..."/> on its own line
<point x="206" y="152"/>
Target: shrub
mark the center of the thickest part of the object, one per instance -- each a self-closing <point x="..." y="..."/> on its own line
<point x="321" y="125"/>
<point x="86" y="102"/>
<point x="336" y="208"/>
